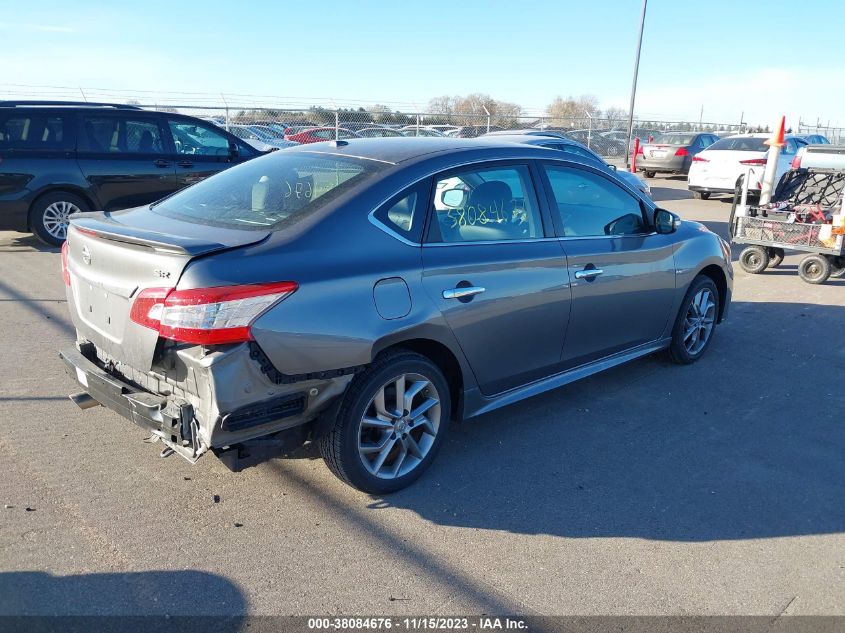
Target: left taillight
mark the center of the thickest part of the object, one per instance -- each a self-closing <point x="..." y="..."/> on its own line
<point x="207" y="316"/>
<point x="65" y="270"/>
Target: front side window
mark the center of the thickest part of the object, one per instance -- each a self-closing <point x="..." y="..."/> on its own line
<point x="116" y="135"/>
<point x="590" y="205"/>
<point x="190" y="138"/>
<point x="269" y="193"/>
<point x="492" y="204"/>
<point x="36" y="131"/>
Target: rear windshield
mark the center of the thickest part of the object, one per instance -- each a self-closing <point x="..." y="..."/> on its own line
<point x="674" y="139"/>
<point x="269" y="193"/>
<point x="741" y="144"/>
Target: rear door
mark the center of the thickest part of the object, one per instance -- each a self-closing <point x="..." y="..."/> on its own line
<point x="124" y="157"/>
<point x="622" y="273"/>
<point x="496" y="274"/>
<point x="201" y="150"/>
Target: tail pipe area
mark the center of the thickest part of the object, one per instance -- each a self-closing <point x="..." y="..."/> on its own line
<point x="83" y="400"/>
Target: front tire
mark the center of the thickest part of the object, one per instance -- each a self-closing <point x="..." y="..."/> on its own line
<point x="390" y="423"/>
<point x="695" y="324"/>
<point x="814" y="269"/>
<point x="754" y="259"/>
<point x="49" y="217"/>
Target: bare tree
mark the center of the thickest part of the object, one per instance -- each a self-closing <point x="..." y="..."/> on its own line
<point x="615" y="116"/>
<point x="572" y="112"/>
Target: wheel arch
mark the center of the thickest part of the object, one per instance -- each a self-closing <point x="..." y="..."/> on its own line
<point x="51" y="189"/>
<point x="441" y="355"/>
<point x="715" y="273"/>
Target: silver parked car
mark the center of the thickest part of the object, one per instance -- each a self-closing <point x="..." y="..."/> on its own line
<point x="672" y="152"/>
<point x="328" y="294"/>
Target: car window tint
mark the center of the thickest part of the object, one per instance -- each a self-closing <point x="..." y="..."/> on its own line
<point x="406" y="214"/>
<point x="190" y="138"/>
<point x="493" y="204"/>
<point x="44" y="131"/>
<point x="272" y="193"/>
<point x="590" y="205"/>
<point x="119" y="135"/>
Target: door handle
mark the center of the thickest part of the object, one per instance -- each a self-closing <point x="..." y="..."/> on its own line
<point x="185" y="163"/>
<point x="588" y="272"/>
<point x="161" y="163"/>
<point x="460" y="293"/>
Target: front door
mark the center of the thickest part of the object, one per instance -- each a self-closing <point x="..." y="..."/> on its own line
<point x="123" y="156"/>
<point x="622" y="273"/>
<point x="499" y="281"/>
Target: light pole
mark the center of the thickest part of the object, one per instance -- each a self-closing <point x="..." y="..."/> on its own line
<point x="634" y="86"/>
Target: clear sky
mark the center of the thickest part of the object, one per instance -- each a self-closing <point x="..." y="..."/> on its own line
<point x="760" y="57"/>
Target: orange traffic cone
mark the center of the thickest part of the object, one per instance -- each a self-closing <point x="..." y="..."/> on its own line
<point x="778" y="139"/>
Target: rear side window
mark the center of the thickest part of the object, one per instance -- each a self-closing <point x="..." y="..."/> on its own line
<point x="118" y="135"/>
<point x="269" y="193"/>
<point x="36" y="131"/>
<point x="405" y="213"/>
<point x="741" y="144"/>
<point x="590" y="205"/>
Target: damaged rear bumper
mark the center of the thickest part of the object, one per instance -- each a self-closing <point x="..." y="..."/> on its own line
<point x="211" y="401"/>
<point x="170" y="419"/>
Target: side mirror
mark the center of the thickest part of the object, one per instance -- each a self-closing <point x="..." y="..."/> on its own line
<point x="453" y="198"/>
<point x="666" y="222"/>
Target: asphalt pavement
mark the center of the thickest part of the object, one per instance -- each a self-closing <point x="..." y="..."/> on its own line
<point x="716" y="488"/>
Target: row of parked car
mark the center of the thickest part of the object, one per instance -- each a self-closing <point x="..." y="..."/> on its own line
<point x="62" y="158"/>
<point x="719" y="165"/>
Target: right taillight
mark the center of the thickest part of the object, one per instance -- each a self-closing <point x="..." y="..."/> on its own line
<point x="796" y="162"/>
<point x="207" y="316"/>
<point x="753" y="161"/>
<point x="65" y="270"/>
<point x="699" y="159"/>
<point x="682" y="151"/>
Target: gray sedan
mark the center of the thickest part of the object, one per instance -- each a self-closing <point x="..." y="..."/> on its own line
<point x="365" y="294"/>
<point x="672" y="152"/>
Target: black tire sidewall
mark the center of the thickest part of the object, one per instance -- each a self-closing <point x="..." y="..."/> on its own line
<point x="676" y="348"/>
<point x="36" y="215"/>
<point x="822" y="261"/>
<point x="764" y="259"/>
<point x="352" y="410"/>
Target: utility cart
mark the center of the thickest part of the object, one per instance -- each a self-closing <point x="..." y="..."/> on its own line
<point x="805" y="215"/>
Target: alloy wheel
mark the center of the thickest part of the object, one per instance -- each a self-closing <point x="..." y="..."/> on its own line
<point x="699" y="321"/>
<point x="399" y="426"/>
<point x="56" y="218"/>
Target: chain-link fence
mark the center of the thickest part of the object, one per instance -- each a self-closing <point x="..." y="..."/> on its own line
<point x="835" y="135"/>
<point x="281" y="126"/>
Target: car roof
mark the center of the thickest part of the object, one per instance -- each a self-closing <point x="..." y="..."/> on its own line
<point x="402" y="149"/>
<point x="532" y="139"/>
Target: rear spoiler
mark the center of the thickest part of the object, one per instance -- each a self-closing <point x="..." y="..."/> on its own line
<point x="160" y="242"/>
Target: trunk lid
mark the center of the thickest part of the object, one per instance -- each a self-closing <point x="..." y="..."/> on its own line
<point x="659" y="150"/>
<point x="111" y="257"/>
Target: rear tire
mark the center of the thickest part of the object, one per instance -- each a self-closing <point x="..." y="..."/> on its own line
<point x="695" y="324"/>
<point x="754" y="259"/>
<point x="814" y="269"/>
<point x="650" y="174"/>
<point x="373" y="415"/>
<point x="701" y="195"/>
<point x="50" y="214"/>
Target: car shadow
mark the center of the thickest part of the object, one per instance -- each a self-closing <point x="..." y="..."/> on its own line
<point x="22" y="242"/>
<point x="186" y="600"/>
<point x="728" y="448"/>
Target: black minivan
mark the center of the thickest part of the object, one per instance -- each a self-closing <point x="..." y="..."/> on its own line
<point x="59" y="158"/>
